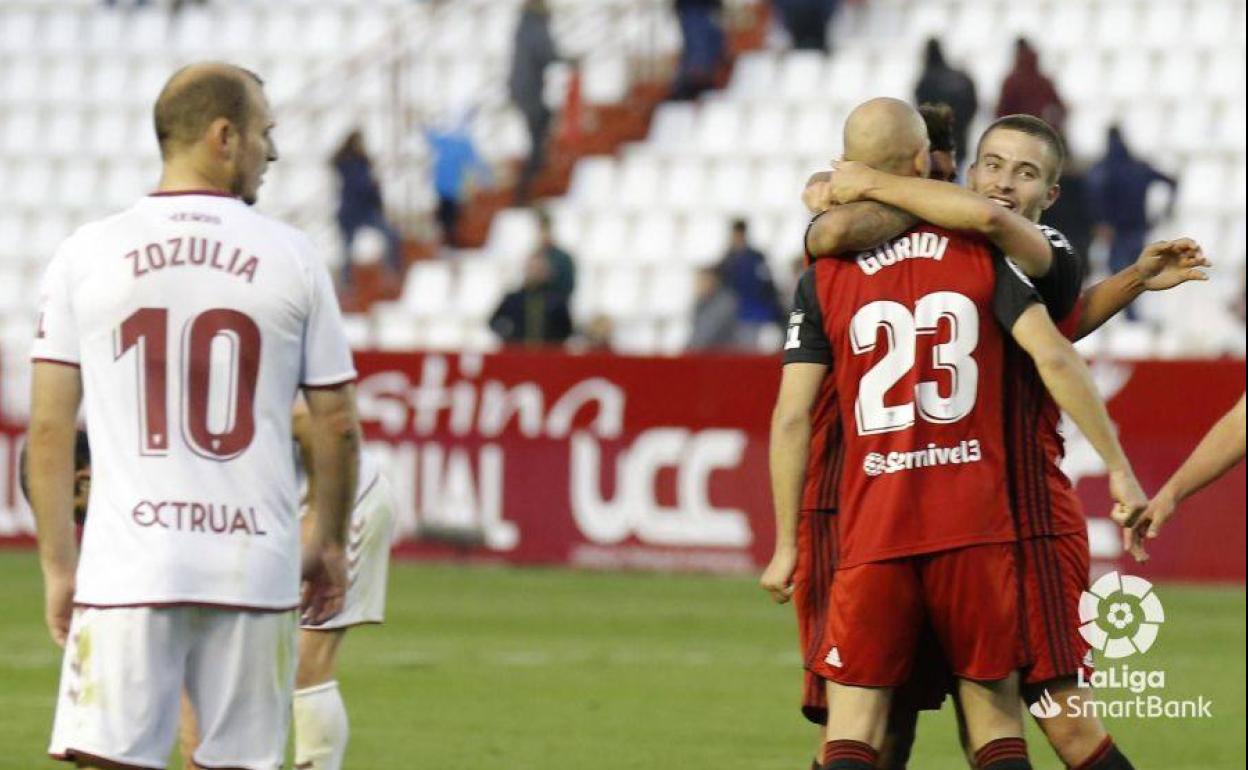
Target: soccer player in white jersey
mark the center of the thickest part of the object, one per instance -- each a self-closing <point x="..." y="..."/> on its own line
<point x="186" y="325"/>
<point x="321" y="728"/>
<point x="320" y="714"/>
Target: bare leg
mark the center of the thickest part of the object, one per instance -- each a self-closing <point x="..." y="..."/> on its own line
<point x="1073" y="738"/>
<point x="992" y="710"/>
<point x="858" y="713"/>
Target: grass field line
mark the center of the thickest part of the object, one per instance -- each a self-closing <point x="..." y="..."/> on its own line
<point x="563" y="658"/>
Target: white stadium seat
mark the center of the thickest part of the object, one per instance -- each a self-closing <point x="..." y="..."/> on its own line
<point x="427" y="289"/>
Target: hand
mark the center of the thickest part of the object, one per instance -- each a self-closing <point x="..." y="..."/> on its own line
<point x="777" y="579"/>
<point x="1159" y="510"/>
<point x="1166" y="264"/>
<point x="324" y="583"/>
<point x="850" y="181"/>
<point x="1130" y="500"/>
<point x="58" y="611"/>
<point x="816" y="197"/>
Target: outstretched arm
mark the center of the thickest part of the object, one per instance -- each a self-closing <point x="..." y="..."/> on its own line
<point x="949" y="206"/>
<point x="1220" y="449"/>
<point x="1162" y="265"/>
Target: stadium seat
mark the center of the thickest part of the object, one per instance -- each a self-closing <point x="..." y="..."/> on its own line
<point x="444" y="334"/>
<point x="621" y="292"/>
<point x="730" y="187"/>
<point x="765" y="132"/>
<point x="718" y="128"/>
<point x="427" y="289"/>
<point x="394" y="328"/>
<point x="683" y="188"/>
<point x="669" y="294"/>
<point x="654" y="238"/>
<point x="638" y="185"/>
<point x="801" y="75"/>
<point x="513" y="235"/>
<point x="1213" y="23"/>
<point x="703" y="240"/>
<point x="359" y="330"/>
<point x="593" y="182"/>
<point x="604" y="79"/>
<point x="605" y="238"/>
<point x="478" y="288"/>
<point x="1163" y="24"/>
<point x="672" y="129"/>
<point x="635" y="338"/>
<point x="1129" y="76"/>
<point x="754" y="76"/>
<point x="1116" y="24"/>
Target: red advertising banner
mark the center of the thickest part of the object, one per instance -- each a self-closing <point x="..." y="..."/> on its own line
<point x="613" y="462"/>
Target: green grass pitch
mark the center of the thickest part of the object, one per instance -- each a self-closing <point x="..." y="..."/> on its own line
<point x="480" y="668"/>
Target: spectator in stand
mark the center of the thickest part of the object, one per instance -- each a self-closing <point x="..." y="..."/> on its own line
<point x="703" y="47"/>
<point x="594" y="337"/>
<point x="533" y="51"/>
<point x="807" y="22"/>
<point x="1071" y="213"/>
<point x="940" y="82"/>
<point x="715" y="323"/>
<point x="1118" y="188"/>
<point x="535" y="314"/>
<point x="457" y="167"/>
<point x="1028" y="91"/>
<point x="360" y="205"/>
<point x="562" y="267"/>
<point x="744" y="271"/>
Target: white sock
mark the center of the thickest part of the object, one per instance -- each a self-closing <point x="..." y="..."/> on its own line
<point x="320" y="727"/>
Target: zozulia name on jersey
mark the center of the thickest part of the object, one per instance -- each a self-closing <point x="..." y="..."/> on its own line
<point x="911" y="246"/>
<point x="192" y="252"/>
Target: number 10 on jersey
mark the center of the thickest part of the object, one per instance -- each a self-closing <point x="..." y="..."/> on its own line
<point x="146" y="331"/>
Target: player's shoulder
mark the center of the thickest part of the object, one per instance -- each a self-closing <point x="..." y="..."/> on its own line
<point x="1056" y="237"/>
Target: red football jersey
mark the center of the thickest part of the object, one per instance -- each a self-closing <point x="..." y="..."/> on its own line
<point x="913" y="333"/>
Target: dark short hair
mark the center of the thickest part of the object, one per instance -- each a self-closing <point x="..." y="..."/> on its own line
<point x="82" y="459"/>
<point x="183" y="113"/>
<point x="939" y="119"/>
<point x="739" y="225"/>
<point x="1032" y="126"/>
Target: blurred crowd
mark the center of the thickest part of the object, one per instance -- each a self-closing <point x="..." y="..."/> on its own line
<point x="1104" y="208"/>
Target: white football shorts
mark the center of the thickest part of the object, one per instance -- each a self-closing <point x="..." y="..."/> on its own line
<point x="368" y="559"/>
<point x="125" y="668"/>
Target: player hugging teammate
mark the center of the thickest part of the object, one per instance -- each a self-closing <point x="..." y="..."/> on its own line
<point x="893" y="559"/>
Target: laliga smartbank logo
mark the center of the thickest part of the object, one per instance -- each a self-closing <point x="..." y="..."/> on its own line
<point x="1120" y="616"/>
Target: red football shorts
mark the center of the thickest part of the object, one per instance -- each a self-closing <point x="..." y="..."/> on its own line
<point x="970" y="596"/>
<point x="1054" y="572"/>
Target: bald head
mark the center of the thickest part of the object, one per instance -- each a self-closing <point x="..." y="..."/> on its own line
<point x="199" y="94"/>
<point x="887" y="135"/>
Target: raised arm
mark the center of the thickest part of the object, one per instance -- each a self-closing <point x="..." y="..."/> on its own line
<point x="56" y="392"/>
<point x="1067" y="378"/>
<point x="1220" y="449"/>
<point x="949" y="206"/>
<point x="1162" y="265"/>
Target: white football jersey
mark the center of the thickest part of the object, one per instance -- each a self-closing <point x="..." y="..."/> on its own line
<point x="195" y="320"/>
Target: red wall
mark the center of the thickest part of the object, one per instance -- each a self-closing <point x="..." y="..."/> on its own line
<point x="662" y="463"/>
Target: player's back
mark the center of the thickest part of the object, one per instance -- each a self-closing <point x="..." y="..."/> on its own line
<point x="194" y="320"/>
<point x="917" y="357"/>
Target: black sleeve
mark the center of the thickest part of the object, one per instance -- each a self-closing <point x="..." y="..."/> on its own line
<point x="1012" y="294"/>
<point x="1059" y="288"/>
<point x="806" y="341"/>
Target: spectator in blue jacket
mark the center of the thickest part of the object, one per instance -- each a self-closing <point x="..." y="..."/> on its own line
<point x="744" y="270"/>
<point x="1118" y="193"/>
<point x="456" y="163"/>
<point x="360" y="205"/>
